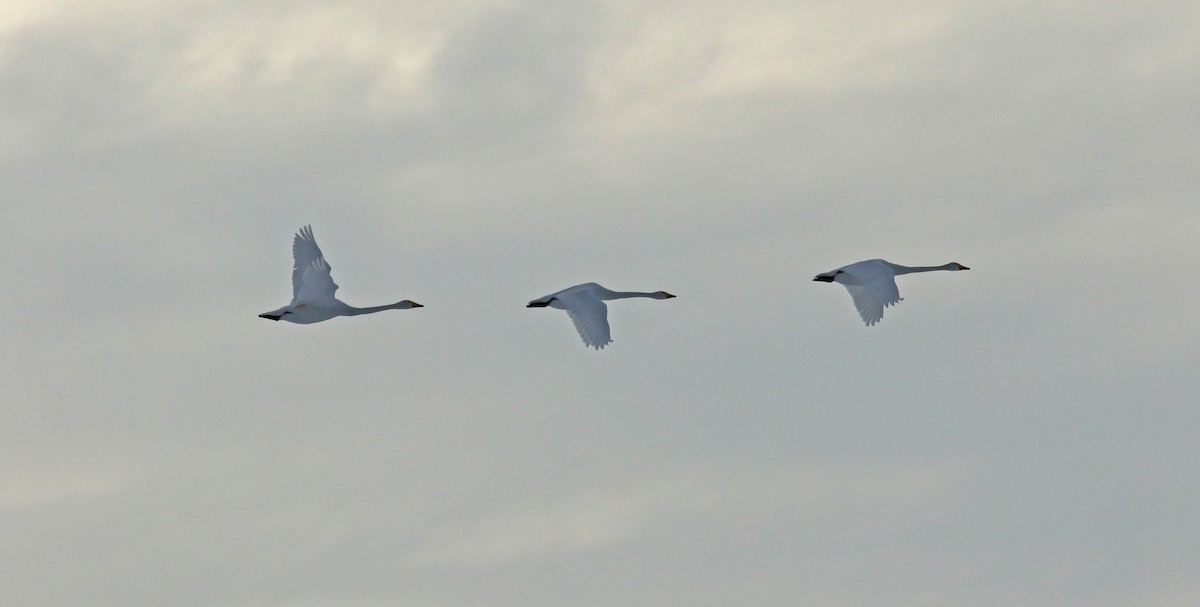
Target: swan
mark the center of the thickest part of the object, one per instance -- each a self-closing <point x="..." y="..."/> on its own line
<point x="872" y="284"/>
<point x="585" y="305"/>
<point x="313" y="288"/>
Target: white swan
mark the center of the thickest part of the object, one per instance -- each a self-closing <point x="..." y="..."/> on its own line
<point x="313" y="288"/>
<point x="585" y="305"/>
<point x="872" y="284"/>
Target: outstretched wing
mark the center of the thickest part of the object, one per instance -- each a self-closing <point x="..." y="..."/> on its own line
<point x="590" y="316"/>
<point x="873" y="288"/>
<point x="310" y="272"/>
<point x="317" y="286"/>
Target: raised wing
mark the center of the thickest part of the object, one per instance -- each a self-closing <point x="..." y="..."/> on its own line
<point x="872" y="285"/>
<point x="316" y="286"/>
<point x="590" y="316"/>
<point x="304" y="253"/>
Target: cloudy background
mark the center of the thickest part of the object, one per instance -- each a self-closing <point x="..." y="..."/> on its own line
<point x="1021" y="434"/>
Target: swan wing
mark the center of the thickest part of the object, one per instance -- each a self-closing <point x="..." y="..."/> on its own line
<point x="305" y="252"/>
<point x="872" y="286"/>
<point x="870" y="306"/>
<point x="316" y="285"/>
<point x="590" y="316"/>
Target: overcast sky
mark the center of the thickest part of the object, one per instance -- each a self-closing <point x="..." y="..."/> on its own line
<point x="1021" y="434"/>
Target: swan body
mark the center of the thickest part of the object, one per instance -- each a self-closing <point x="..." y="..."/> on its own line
<point x="313" y="288"/>
<point x="872" y="284"/>
<point x="585" y="305"/>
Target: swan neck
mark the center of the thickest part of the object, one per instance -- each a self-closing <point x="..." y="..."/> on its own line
<point x="353" y="311"/>
<point x="627" y="294"/>
<point x="898" y="269"/>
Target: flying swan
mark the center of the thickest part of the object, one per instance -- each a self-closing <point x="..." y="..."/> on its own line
<point x="585" y="305"/>
<point x="313" y="288"/>
<point x="872" y="284"/>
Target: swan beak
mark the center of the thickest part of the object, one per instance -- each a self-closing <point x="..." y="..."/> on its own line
<point x="416" y="305"/>
<point x="668" y="295"/>
<point x="962" y="267"/>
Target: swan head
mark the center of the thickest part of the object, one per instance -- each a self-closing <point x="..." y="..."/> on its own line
<point x="954" y="265"/>
<point x="407" y="305"/>
<point x="662" y="295"/>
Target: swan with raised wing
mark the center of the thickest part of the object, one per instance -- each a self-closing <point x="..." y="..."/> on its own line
<point x="313" y="288"/>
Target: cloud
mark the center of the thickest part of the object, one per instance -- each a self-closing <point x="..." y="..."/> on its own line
<point x="473" y="155"/>
<point x="603" y="520"/>
<point x="538" y="530"/>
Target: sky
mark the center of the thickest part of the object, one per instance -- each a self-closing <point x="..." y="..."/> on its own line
<point x="1021" y="434"/>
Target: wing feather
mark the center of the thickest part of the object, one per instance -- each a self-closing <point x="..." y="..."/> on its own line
<point x="305" y="253"/>
<point x="872" y="286"/>
<point x="318" y="286"/>
<point x="311" y="279"/>
<point x="590" y="315"/>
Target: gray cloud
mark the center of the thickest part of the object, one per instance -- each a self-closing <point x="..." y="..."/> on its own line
<point x="1018" y="434"/>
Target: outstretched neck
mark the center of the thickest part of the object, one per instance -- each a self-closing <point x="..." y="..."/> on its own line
<point x="400" y="305"/>
<point x="899" y="269"/>
<point x="627" y="294"/>
<point x="603" y="293"/>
